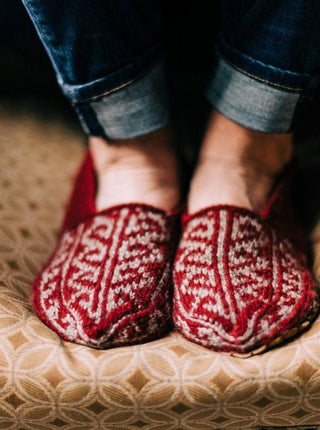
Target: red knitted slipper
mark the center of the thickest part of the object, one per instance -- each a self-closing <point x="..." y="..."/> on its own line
<point x="108" y="282"/>
<point x="241" y="280"/>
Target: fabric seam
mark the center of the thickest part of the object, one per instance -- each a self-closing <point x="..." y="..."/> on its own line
<point x="106" y="92"/>
<point x="75" y="98"/>
<point x="258" y="78"/>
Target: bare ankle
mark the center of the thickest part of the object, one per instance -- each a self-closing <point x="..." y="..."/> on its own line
<point x="142" y="169"/>
<point x="142" y="149"/>
<point x="237" y="166"/>
<point x="231" y="142"/>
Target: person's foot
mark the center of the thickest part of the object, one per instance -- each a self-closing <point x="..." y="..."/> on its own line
<point x="241" y="284"/>
<point x="237" y="166"/>
<point x="143" y="170"/>
<point x="108" y="282"/>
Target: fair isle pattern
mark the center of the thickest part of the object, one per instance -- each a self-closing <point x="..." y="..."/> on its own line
<point x="108" y="282"/>
<point x="238" y="284"/>
<point x="171" y="384"/>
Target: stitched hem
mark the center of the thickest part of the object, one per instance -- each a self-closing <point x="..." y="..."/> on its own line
<point x="110" y="91"/>
<point x="130" y="110"/>
<point x="271" y="75"/>
<point x="265" y="81"/>
<point x="251" y="102"/>
<point x="114" y="81"/>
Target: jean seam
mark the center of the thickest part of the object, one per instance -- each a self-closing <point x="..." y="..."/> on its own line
<point x="91" y="121"/>
<point x="106" y="92"/>
<point x="294" y="115"/>
<point x="258" y="78"/>
<point x="69" y="92"/>
<point x="301" y="80"/>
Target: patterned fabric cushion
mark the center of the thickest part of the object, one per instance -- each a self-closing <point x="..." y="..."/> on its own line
<point x="47" y="383"/>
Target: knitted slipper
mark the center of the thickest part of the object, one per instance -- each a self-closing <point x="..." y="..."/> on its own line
<point x="241" y="280"/>
<point x="108" y="283"/>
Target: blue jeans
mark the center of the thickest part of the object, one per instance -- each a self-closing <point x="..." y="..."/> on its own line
<point x="108" y="57"/>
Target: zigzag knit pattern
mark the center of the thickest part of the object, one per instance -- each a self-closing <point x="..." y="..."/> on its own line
<point x="239" y="284"/>
<point x="108" y="282"/>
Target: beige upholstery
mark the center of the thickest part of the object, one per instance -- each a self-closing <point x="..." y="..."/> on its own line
<point x="46" y="383"/>
<point x="316" y="250"/>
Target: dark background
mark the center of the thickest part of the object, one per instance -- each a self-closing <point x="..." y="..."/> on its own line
<point x="26" y="74"/>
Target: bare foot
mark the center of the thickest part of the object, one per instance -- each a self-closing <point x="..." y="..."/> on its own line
<point x="237" y="166"/>
<point x="138" y="170"/>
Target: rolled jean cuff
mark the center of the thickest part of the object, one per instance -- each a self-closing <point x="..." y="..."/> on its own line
<point x="253" y="99"/>
<point x="134" y="108"/>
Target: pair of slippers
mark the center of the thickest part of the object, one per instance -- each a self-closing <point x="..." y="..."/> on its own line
<point x="241" y="281"/>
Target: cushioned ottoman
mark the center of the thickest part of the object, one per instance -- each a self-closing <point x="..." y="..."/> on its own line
<point x="46" y="383"/>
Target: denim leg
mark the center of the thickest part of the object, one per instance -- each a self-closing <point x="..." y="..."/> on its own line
<point x="268" y="62"/>
<point x="107" y="56"/>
